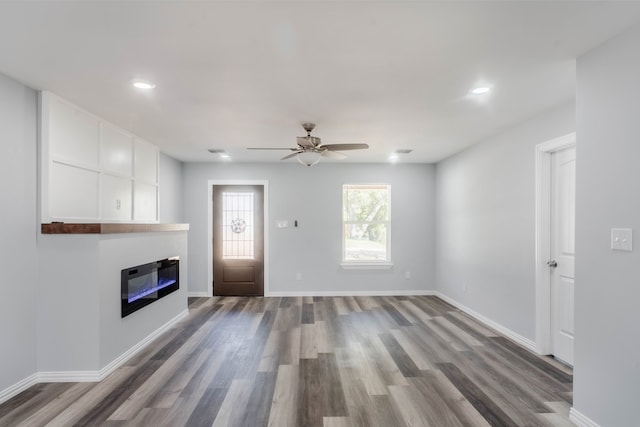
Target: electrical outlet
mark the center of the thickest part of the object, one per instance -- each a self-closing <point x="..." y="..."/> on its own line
<point x="407" y="275"/>
<point x="298" y="276"/>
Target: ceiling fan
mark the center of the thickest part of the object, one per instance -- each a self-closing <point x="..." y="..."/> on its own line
<point x="310" y="148"/>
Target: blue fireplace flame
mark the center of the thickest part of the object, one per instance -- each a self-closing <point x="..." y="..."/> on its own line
<point x="141" y="293"/>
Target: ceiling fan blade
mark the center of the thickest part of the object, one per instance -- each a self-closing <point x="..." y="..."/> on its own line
<point x="334" y="155"/>
<point x="343" y="147"/>
<point x="272" y="148"/>
<point x="304" y="142"/>
<point x="288" y="156"/>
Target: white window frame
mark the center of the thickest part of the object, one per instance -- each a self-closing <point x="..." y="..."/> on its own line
<point x="372" y="264"/>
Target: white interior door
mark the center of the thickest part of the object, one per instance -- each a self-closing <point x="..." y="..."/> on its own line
<point x="563" y="213"/>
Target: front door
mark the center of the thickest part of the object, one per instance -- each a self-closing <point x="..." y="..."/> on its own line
<point x="238" y="240"/>
<point x="563" y="184"/>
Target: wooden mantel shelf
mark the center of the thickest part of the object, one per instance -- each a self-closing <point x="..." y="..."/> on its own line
<point x="108" y="228"/>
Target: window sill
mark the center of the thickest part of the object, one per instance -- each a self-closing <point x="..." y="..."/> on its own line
<point x="367" y="265"/>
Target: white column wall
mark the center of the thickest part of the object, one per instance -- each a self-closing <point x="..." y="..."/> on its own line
<point x="607" y="318"/>
<point x="18" y="227"/>
<point x="170" y="183"/>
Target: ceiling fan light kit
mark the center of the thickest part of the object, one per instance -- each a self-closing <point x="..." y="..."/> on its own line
<point x="309" y="158"/>
<point x="310" y="148"/>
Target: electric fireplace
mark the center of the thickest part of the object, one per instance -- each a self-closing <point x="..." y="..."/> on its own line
<point x="144" y="284"/>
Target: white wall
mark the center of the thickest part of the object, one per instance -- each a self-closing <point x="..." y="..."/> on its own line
<point x="607" y="318"/>
<point x="68" y="297"/>
<point x="313" y="196"/>
<point x="118" y="335"/>
<point x="485" y="228"/>
<point x="80" y="329"/>
<point x="18" y="226"/>
<point x="170" y="189"/>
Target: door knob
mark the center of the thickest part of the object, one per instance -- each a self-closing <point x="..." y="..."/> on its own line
<point x="552" y="263"/>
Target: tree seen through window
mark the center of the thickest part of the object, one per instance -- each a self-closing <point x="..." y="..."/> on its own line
<point x="366" y="223"/>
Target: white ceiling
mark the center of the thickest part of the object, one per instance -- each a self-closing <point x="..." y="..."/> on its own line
<point x="232" y="75"/>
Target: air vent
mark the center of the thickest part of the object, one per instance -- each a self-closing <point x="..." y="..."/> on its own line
<point x="403" y="151"/>
<point x="222" y="154"/>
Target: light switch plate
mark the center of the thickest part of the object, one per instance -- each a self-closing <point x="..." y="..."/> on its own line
<point x="622" y="239"/>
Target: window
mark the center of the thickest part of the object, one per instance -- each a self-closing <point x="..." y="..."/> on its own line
<point x="365" y="220"/>
<point x="237" y="224"/>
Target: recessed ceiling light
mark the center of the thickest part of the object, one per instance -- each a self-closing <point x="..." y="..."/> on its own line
<point x="393" y="157"/>
<point x="480" y="90"/>
<point x="143" y="84"/>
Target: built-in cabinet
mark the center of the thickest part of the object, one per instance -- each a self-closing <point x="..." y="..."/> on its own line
<point x="93" y="171"/>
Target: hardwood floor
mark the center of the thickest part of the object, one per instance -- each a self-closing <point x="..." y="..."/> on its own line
<point x="315" y="361"/>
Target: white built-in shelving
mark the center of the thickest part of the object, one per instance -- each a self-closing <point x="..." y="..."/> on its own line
<point x="92" y="170"/>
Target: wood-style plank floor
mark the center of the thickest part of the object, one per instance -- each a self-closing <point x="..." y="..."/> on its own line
<point x="315" y="361"/>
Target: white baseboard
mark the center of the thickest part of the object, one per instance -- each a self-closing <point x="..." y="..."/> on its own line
<point x="525" y="342"/>
<point x="18" y="387"/>
<point x="350" y="293"/>
<point x="87" y="376"/>
<point x="68" y="376"/>
<point x="581" y="420"/>
<point x="122" y="359"/>
<point x="197" y="294"/>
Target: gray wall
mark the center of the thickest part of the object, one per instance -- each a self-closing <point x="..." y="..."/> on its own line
<point x="607" y="319"/>
<point x="170" y="189"/>
<point x="18" y="226"/>
<point x="485" y="222"/>
<point x="313" y="196"/>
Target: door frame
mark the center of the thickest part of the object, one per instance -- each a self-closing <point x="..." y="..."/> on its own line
<point x="543" y="152"/>
<point x="265" y="208"/>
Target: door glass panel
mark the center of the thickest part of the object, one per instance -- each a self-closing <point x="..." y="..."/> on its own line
<point x="237" y="225"/>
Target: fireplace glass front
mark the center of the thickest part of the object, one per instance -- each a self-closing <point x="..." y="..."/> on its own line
<point x="144" y="284"/>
